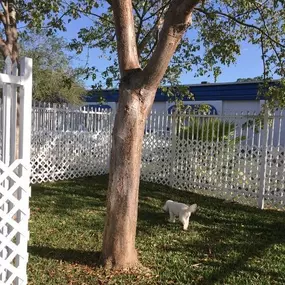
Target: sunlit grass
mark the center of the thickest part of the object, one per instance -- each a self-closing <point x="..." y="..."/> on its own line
<point x="225" y="244"/>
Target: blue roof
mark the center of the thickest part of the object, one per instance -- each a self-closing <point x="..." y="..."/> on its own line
<point x="203" y="92"/>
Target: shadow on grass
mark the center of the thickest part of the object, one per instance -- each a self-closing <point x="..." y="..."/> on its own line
<point x="62" y="196"/>
<point x="68" y="255"/>
<point x="230" y="234"/>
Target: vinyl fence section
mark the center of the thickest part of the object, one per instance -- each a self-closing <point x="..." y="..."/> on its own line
<point x="69" y="143"/>
<point x="238" y="157"/>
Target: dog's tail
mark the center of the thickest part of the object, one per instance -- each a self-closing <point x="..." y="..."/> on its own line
<point x="192" y="208"/>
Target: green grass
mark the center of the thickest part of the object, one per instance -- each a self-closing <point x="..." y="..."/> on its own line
<point x="226" y="243"/>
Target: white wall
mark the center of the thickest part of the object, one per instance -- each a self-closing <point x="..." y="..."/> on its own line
<point x="232" y="107"/>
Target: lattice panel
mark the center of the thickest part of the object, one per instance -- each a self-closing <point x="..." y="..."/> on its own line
<point x="238" y="169"/>
<point x="217" y="169"/>
<point x="14" y="215"/>
<point x="275" y="177"/>
<point x="66" y="155"/>
<point x="156" y="159"/>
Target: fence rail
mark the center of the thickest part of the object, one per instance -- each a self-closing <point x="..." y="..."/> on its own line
<point x="234" y="156"/>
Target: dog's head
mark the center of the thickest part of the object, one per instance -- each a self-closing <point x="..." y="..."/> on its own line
<point x="165" y="207"/>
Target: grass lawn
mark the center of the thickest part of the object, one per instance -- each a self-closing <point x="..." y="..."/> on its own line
<point x="225" y="244"/>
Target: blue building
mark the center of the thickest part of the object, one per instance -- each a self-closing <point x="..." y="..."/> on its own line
<point x="224" y="98"/>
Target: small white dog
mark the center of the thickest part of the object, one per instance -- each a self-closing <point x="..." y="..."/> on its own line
<point x="180" y="210"/>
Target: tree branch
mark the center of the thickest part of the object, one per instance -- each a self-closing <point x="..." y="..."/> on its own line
<point x="241" y="23"/>
<point x="94" y="14"/>
<point x="263" y="58"/>
<point x="177" y="19"/>
<point x="3" y="20"/>
<point x="141" y="20"/>
<point x="151" y="50"/>
<point x="126" y="38"/>
<point x="271" y="43"/>
<point x="160" y="10"/>
<point x="146" y="38"/>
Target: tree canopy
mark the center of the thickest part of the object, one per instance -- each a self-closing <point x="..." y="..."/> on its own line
<point x="218" y="29"/>
<point x="54" y="78"/>
<point x="216" y="34"/>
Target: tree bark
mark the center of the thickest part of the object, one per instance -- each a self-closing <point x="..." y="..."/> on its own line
<point x="9" y="47"/>
<point x="122" y="198"/>
<point x="136" y="96"/>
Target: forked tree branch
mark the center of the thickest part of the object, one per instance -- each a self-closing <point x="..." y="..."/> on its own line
<point x="177" y="19"/>
<point x="126" y="37"/>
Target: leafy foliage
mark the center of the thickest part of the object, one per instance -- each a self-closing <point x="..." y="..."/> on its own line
<point x="55" y="80"/>
<point x="254" y="79"/>
<point x="275" y="94"/>
<point x="218" y="29"/>
<point x="214" y="39"/>
<point x="212" y="129"/>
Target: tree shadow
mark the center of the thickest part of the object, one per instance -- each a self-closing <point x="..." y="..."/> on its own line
<point x="222" y="235"/>
<point x="59" y="197"/>
<point x="90" y="258"/>
<point x="223" y="227"/>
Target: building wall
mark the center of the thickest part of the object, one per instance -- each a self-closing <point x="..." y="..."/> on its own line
<point x="226" y="98"/>
<point x="222" y="107"/>
<point x="232" y="107"/>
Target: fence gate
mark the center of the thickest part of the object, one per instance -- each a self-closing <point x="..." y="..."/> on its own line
<point x="15" y="141"/>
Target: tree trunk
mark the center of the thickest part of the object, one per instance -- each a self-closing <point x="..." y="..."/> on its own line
<point x="122" y="198"/>
<point x="137" y="92"/>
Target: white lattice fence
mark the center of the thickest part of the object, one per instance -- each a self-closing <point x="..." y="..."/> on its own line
<point x="216" y="169"/>
<point x="60" y="153"/>
<point x="15" y="172"/>
<point x="237" y="157"/>
<point x="157" y="149"/>
<point x="274" y="158"/>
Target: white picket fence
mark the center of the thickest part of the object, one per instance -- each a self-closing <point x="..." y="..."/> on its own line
<point x="15" y="171"/>
<point x="240" y="158"/>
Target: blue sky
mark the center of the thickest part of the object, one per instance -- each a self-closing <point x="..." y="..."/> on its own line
<point x="248" y="63"/>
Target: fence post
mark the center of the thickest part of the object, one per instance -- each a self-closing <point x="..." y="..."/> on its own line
<point x="6" y="158"/>
<point x="263" y="167"/>
<point x="7" y="101"/>
<point x="24" y="154"/>
<point x="173" y="148"/>
<point x="54" y="117"/>
<point x="14" y="143"/>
